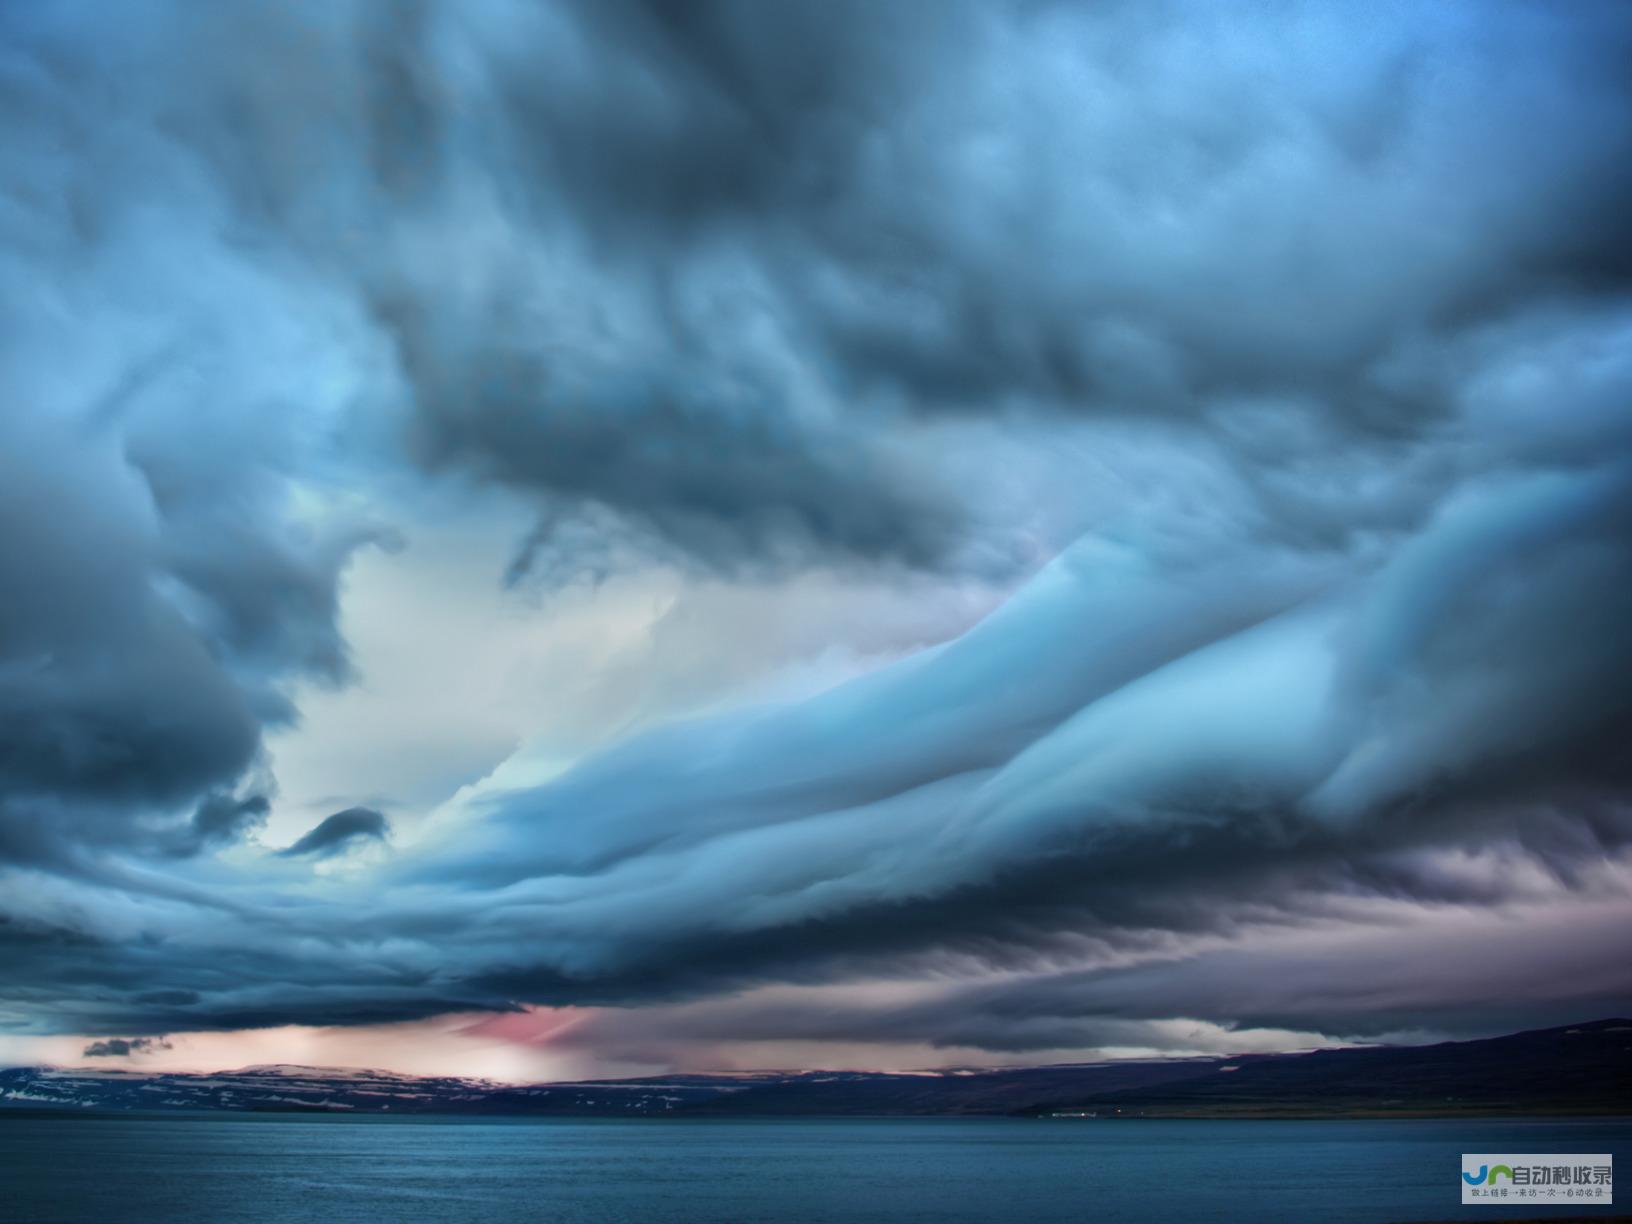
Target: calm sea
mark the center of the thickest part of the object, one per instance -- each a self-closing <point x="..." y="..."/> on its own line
<point x="280" y="1169"/>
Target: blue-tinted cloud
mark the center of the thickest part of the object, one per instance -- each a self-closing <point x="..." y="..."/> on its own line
<point x="339" y="832"/>
<point x="1317" y="321"/>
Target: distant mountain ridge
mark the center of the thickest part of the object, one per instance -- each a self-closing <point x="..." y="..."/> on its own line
<point x="1581" y="1069"/>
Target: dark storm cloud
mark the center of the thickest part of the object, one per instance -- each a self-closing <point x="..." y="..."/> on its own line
<point x="1367" y="991"/>
<point x="125" y="686"/>
<point x="220" y="820"/>
<point x="1422" y="972"/>
<point x="120" y="1047"/>
<point x="167" y="998"/>
<point x="164" y="577"/>
<point x="698" y="267"/>
<point x="1438" y="979"/>
<point x="773" y="253"/>
<point x="753" y="286"/>
<point x="339" y="832"/>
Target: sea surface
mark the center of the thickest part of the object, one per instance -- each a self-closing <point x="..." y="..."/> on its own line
<point x="280" y="1169"/>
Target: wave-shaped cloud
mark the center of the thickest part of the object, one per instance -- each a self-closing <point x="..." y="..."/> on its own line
<point x="1298" y="338"/>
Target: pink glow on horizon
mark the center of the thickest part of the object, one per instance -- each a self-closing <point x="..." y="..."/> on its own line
<point x="460" y="1045"/>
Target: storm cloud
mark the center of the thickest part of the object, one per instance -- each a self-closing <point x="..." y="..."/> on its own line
<point x="339" y="832"/>
<point x="1270" y="367"/>
<point x="122" y="1047"/>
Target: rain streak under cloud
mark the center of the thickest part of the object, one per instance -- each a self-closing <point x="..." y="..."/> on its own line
<point x="679" y="535"/>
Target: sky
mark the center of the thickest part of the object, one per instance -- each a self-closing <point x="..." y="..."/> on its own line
<point x="556" y="540"/>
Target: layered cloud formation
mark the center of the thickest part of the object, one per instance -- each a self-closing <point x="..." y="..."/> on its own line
<point x="1270" y="367"/>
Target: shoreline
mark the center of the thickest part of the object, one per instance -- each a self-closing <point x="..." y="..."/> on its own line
<point x="21" y="1113"/>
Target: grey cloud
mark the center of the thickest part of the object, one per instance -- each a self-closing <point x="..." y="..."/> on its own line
<point x="1125" y="750"/>
<point x="167" y="998"/>
<point x="112" y="701"/>
<point x="339" y="832"/>
<point x="119" y="1047"/>
<point x="1420" y="972"/>
<point x="220" y="820"/>
<point x="165" y="577"/>
<point x="651" y="262"/>
<point x="747" y="285"/>
<point x="825" y="234"/>
<point x="1441" y="981"/>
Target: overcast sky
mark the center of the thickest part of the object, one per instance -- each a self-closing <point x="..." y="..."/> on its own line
<point x="555" y="539"/>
